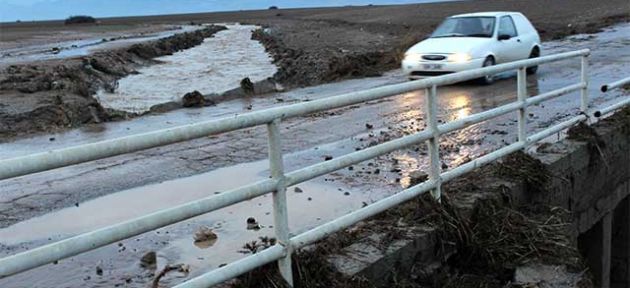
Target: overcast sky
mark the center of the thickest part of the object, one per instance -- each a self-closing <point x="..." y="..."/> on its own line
<point x="26" y="10"/>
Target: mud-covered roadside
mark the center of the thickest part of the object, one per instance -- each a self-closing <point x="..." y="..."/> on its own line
<point x="53" y="95"/>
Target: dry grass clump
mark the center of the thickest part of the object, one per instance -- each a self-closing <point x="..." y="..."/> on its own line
<point x="499" y="238"/>
<point x="311" y="268"/>
<point x="522" y="166"/>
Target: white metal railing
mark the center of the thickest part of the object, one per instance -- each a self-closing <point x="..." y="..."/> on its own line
<point x="280" y="179"/>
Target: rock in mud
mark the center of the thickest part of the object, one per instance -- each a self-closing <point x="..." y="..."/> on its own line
<point x="417" y="177"/>
<point x="193" y="99"/>
<point x="149" y="260"/>
<point x="247" y="86"/>
<point x="252" y="224"/>
<point x="204" y="233"/>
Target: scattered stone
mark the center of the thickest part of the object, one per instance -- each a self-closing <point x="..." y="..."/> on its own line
<point x="99" y="271"/>
<point x="417" y="177"/>
<point x="369" y="126"/>
<point x="149" y="260"/>
<point x="346" y="193"/>
<point x="252" y="224"/>
<point x="204" y="233"/>
<point x="327" y="157"/>
<point x="297" y="190"/>
<point x="499" y="132"/>
<point x="444" y="166"/>
<point x="193" y="99"/>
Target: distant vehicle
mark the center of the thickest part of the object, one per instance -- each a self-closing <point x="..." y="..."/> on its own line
<point x="474" y="40"/>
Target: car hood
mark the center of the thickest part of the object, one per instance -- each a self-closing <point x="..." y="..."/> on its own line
<point x="449" y="45"/>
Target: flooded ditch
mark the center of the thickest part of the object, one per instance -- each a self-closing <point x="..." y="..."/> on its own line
<point x="216" y="66"/>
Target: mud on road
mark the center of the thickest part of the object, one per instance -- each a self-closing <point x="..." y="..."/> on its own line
<point x="310" y="47"/>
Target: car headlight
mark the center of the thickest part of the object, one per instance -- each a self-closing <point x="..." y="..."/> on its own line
<point x="459" y="57"/>
<point x="412" y="57"/>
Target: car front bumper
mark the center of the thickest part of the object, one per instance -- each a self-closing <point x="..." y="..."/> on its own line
<point x="421" y="69"/>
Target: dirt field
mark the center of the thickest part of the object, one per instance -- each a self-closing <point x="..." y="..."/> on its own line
<point x="311" y="46"/>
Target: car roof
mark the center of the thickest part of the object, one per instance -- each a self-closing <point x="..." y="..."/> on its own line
<point x="486" y="14"/>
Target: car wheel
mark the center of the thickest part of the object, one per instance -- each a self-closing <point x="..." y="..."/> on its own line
<point x="534" y="54"/>
<point x="488" y="79"/>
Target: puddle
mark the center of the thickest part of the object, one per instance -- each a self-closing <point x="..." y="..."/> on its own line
<point x="217" y="65"/>
<point x="117" y="207"/>
<point x="316" y="202"/>
<point x="67" y="49"/>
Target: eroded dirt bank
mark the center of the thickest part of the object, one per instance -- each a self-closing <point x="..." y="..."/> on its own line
<point x="52" y="95"/>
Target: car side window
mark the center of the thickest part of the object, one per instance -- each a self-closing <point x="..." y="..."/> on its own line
<point x="506" y="26"/>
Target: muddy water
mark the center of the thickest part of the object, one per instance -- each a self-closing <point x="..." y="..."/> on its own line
<point x="402" y="113"/>
<point x="310" y="204"/>
<point x="82" y="47"/>
<point x="217" y="65"/>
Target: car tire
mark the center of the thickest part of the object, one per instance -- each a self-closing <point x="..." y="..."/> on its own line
<point x="488" y="79"/>
<point x="534" y="54"/>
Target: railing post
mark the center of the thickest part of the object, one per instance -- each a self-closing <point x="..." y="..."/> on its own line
<point x="521" y="96"/>
<point x="280" y="214"/>
<point x="434" y="142"/>
<point x="584" y="80"/>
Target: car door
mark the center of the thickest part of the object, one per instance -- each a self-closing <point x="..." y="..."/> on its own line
<point x="508" y="49"/>
<point x="528" y="35"/>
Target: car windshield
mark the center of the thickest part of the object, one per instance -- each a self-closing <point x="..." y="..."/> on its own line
<point x="465" y="27"/>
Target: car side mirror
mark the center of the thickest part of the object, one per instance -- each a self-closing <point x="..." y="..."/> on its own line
<point x="504" y="37"/>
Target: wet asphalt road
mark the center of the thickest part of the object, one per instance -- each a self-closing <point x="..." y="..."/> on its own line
<point x="307" y="139"/>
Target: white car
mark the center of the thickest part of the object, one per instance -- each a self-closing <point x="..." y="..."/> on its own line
<point x="474" y="40"/>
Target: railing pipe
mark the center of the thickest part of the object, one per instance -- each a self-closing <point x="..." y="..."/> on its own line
<point x="98" y="238"/>
<point x="39" y="162"/>
<point x="584" y="80"/>
<point x="521" y="96"/>
<point x="282" y="251"/>
<point x="616" y="84"/>
<point x="434" y="142"/>
<point x="280" y="214"/>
